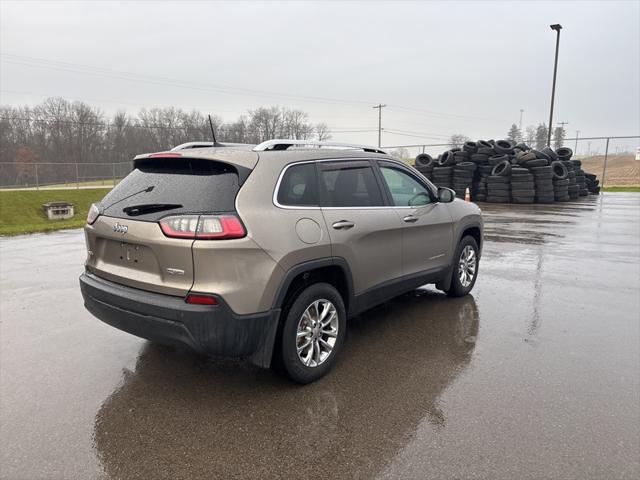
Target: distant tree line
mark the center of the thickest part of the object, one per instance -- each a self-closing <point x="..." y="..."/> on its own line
<point x="62" y="133"/>
<point x="536" y="136"/>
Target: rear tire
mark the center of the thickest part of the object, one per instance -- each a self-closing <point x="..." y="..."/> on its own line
<point x="464" y="273"/>
<point x="306" y="315"/>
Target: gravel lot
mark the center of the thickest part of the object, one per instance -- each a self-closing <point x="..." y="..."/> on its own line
<point x="534" y="375"/>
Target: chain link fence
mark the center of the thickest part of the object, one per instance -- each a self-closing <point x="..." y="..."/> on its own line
<point x="612" y="159"/>
<point x="62" y="174"/>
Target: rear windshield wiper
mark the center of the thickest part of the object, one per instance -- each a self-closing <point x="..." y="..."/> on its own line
<point x="141" y="209"/>
<point x="145" y="190"/>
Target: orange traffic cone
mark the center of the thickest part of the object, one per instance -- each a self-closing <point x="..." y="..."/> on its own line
<point x="467" y="195"/>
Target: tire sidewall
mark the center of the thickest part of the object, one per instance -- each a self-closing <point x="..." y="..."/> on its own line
<point x="294" y="367"/>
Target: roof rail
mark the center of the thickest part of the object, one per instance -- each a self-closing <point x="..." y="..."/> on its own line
<point x="284" y="144"/>
<point x="192" y="145"/>
<point x="189" y="145"/>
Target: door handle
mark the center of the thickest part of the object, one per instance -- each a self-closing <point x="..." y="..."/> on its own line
<point x="410" y="219"/>
<point x="343" y="225"/>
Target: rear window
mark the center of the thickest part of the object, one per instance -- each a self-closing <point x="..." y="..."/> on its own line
<point x="299" y="186"/>
<point x="167" y="186"/>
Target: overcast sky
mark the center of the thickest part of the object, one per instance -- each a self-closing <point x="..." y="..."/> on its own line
<point x="441" y="67"/>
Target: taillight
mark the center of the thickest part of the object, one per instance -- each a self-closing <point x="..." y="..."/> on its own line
<point x="196" y="299"/>
<point x="93" y="214"/>
<point x="203" y="227"/>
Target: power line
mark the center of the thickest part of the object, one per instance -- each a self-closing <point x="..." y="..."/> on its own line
<point x="159" y="80"/>
<point x="413" y="136"/>
<point x="444" y="114"/>
<point x="429" y="134"/>
<point x="39" y="62"/>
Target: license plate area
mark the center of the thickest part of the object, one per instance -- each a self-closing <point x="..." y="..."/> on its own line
<point x="130" y="253"/>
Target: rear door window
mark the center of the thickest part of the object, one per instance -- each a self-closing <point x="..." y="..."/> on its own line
<point x="349" y="184"/>
<point x="172" y="186"/>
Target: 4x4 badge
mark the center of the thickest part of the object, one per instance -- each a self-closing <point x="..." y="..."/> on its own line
<point x="119" y="228"/>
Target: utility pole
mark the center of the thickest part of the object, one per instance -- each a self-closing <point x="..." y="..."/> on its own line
<point x="575" y="150"/>
<point x="520" y="126"/>
<point x="557" y="27"/>
<point x="380" y="106"/>
<point x="562" y="124"/>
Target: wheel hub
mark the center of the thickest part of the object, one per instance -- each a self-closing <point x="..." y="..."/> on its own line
<point x="317" y="333"/>
<point x="467" y="266"/>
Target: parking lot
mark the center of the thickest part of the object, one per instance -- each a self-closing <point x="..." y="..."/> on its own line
<point x="534" y="375"/>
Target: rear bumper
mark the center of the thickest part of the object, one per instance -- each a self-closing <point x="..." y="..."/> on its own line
<point x="211" y="330"/>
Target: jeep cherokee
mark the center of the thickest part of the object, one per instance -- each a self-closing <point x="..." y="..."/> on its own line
<point x="265" y="251"/>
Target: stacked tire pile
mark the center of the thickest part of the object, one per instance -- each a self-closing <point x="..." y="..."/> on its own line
<point x="522" y="185"/>
<point x="560" y="176"/>
<point x="499" y="183"/>
<point x="425" y="164"/>
<point x="480" y="184"/>
<point x="543" y="180"/>
<point x="592" y="183"/>
<point x="443" y="172"/>
<point x="463" y="174"/>
<point x="502" y="171"/>
<point x="564" y="156"/>
<point x="581" y="178"/>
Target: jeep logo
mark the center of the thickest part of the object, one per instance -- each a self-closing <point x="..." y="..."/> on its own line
<point x="119" y="228"/>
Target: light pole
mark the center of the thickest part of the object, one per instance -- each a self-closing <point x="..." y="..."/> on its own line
<point x="557" y="27"/>
<point x="575" y="150"/>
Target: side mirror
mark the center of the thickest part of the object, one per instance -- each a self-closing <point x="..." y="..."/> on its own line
<point x="446" y="195"/>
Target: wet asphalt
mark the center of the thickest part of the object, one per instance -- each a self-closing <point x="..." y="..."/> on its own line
<point x="534" y="375"/>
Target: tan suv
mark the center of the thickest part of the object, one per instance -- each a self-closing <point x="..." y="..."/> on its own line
<point x="265" y="251"/>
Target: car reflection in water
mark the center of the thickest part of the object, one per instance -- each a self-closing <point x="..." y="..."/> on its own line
<point x="179" y="415"/>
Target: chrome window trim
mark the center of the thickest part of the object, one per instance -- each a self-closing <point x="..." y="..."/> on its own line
<point x="301" y="207"/>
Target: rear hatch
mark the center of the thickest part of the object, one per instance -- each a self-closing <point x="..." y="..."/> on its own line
<point x="126" y="243"/>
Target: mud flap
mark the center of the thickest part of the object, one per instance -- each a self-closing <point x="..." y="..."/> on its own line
<point x="444" y="283"/>
<point x="262" y="356"/>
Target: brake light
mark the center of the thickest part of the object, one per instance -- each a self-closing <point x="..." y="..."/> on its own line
<point x="200" y="300"/>
<point x="203" y="227"/>
<point x="165" y="155"/>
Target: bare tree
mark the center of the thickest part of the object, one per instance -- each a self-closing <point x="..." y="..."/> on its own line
<point x="530" y="136"/>
<point x="541" y="136"/>
<point x="322" y="132"/>
<point x="559" y="134"/>
<point x="61" y="132"/>
<point x="457" y="139"/>
<point x="401" y="153"/>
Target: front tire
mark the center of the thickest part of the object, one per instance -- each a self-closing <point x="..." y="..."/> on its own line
<point x="465" y="268"/>
<point x="313" y="333"/>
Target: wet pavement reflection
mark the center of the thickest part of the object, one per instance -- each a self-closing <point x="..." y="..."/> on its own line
<point x="534" y="375"/>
